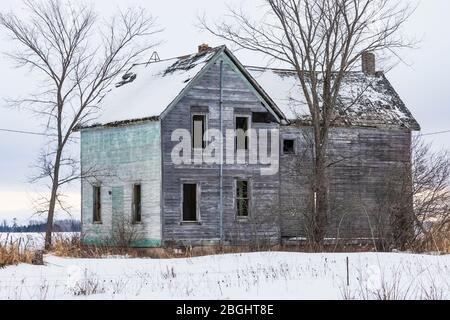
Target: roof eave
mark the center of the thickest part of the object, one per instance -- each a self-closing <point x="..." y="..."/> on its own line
<point x="115" y="124"/>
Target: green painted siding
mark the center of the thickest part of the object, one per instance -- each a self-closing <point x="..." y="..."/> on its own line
<point x="121" y="157"/>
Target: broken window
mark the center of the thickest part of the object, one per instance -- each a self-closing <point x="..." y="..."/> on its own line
<point x="242" y="126"/>
<point x="199" y="130"/>
<point x="242" y="198"/>
<point x="289" y="146"/>
<point x="137" y="211"/>
<point x="190" y="202"/>
<point x="261" y="117"/>
<point x="97" y="214"/>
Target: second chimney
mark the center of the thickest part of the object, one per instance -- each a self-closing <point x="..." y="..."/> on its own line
<point x="368" y="63"/>
<point x="203" y="47"/>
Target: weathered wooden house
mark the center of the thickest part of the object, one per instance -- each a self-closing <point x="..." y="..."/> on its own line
<point x="141" y="187"/>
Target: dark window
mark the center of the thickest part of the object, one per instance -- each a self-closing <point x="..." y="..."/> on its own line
<point x="189" y="203"/>
<point x="242" y="198"/>
<point x="241" y="133"/>
<point x="199" y="129"/>
<point x="97" y="217"/>
<point x="289" y="147"/>
<point x="137" y="208"/>
<point x="261" y="117"/>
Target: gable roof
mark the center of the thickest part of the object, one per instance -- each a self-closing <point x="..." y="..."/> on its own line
<point x="367" y="101"/>
<point x="147" y="91"/>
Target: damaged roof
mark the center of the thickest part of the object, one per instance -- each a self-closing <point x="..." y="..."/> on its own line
<point x="148" y="89"/>
<point x="364" y="100"/>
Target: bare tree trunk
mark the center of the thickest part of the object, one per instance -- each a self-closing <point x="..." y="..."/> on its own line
<point x="52" y="203"/>
<point x="320" y="217"/>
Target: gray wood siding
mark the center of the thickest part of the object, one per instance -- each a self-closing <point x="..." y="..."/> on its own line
<point x="365" y="162"/>
<point x="238" y="96"/>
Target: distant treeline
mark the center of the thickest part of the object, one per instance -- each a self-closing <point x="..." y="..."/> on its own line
<point x="38" y="226"/>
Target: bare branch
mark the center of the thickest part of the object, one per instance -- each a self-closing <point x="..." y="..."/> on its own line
<point x="56" y="40"/>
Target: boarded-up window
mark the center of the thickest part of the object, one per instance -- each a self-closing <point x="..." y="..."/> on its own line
<point x="289" y="146"/>
<point x="97" y="204"/>
<point x="137" y="211"/>
<point x="199" y="130"/>
<point x="189" y="202"/>
<point x="242" y="127"/>
<point x="242" y="198"/>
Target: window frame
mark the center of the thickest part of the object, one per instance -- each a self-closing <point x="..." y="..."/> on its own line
<point x="198" y="197"/>
<point x="97" y="204"/>
<point x="249" y="127"/>
<point x="133" y="204"/>
<point x="205" y="128"/>
<point x="249" y="198"/>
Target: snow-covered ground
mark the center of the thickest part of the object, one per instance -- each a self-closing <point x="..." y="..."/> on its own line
<point x="268" y="275"/>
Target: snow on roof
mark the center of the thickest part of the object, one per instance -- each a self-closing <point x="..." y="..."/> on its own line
<point x="148" y="89"/>
<point x="363" y="100"/>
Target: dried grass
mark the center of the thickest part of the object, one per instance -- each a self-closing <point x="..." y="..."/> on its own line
<point x="434" y="241"/>
<point x="72" y="247"/>
<point x="13" y="252"/>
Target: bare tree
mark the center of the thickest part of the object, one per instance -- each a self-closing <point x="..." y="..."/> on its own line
<point x="78" y="59"/>
<point x="322" y="40"/>
<point x="414" y="209"/>
<point x="431" y="193"/>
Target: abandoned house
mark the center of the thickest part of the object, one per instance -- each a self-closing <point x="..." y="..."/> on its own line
<point x="139" y="188"/>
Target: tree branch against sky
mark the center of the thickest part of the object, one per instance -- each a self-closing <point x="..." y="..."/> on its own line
<point x="78" y="57"/>
<point x="321" y="40"/>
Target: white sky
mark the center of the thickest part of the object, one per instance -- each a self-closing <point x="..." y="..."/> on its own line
<point x="424" y="84"/>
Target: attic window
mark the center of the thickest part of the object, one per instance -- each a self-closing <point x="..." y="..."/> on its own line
<point x="198" y="131"/>
<point x="261" y="117"/>
<point x="242" y="127"/>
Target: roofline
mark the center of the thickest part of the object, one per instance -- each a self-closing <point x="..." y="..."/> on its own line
<point x="244" y="71"/>
<point x="414" y="126"/>
<point x="219" y="50"/>
<point x="377" y="73"/>
<point x="117" y="123"/>
<point x="404" y="128"/>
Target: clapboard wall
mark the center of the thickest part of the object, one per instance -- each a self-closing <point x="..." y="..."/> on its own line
<point x="364" y="164"/>
<point x="115" y="159"/>
<point x="239" y="98"/>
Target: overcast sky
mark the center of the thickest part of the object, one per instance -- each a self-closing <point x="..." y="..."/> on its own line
<point x="423" y="83"/>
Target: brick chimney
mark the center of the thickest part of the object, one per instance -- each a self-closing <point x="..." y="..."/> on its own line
<point x="203" y="47"/>
<point x="368" y="63"/>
